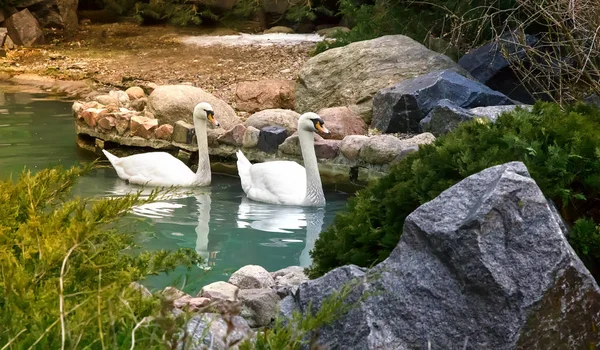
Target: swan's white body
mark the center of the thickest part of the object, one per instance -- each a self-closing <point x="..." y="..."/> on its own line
<point x="164" y="170"/>
<point x="287" y="182"/>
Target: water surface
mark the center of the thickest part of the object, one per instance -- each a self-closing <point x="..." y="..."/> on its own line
<point x="219" y="222"/>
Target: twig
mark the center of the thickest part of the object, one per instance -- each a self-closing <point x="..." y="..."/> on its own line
<point x="62" y="297"/>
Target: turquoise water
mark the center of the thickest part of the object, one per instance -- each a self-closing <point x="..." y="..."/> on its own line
<point x="223" y="226"/>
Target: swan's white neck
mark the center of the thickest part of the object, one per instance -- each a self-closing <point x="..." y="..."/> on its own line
<point x="314" y="188"/>
<point x="203" y="173"/>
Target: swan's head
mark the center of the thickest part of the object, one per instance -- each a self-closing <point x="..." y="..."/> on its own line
<point x="204" y="111"/>
<point x="312" y="122"/>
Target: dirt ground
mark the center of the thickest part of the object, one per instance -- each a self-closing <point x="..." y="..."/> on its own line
<point x="125" y="54"/>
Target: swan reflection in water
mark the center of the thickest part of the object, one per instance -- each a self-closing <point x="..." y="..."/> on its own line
<point x="282" y="219"/>
<point x="286" y="220"/>
<point x="162" y="211"/>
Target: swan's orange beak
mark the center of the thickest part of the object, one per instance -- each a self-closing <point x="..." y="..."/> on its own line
<point x="211" y="118"/>
<point x="321" y="127"/>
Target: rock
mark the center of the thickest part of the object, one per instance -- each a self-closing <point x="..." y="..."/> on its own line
<point x="77" y="108"/>
<point x="333" y="31"/>
<point x="250" y="139"/>
<point x="386" y="149"/>
<point x="445" y="117"/>
<point x="172" y="293"/>
<point x="107" y="123"/>
<point x="140" y="288"/>
<point x="106" y="100"/>
<point x="493" y="112"/>
<point x="279" y="29"/>
<point x="440" y="45"/>
<point x="212" y="136"/>
<point x="287" y="306"/>
<point x="220" y="291"/>
<point x="290" y="270"/>
<point x="8" y="43"/>
<point x="142" y="126"/>
<point x="139" y="104"/>
<point x="354" y="73"/>
<point x="327" y="149"/>
<point x="233" y="136"/>
<point x="171" y="103"/>
<point x="252" y="277"/>
<point x="351" y="145"/>
<point x="254" y="96"/>
<point x="341" y="122"/>
<point x="3" y="32"/>
<point x="60" y="14"/>
<point x="135" y="92"/>
<point x="486" y="264"/>
<point x="183" y="132"/>
<point x="259" y="306"/>
<point x="270" y="138"/>
<point x="92" y="115"/>
<point x="287" y="280"/>
<point x="24" y="29"/>
<point x="210" y="330"/>
<point x="190" y="303"/>
<point x="401" y="107"/>
<point x="285" y="118"/>
<point x="488" y="65"/>
<point x="121" y="97"/>
<point x="291" y="145"/>
<point x="164" y="132"/>
<point x="592" y="99"/>
<point x="122" y="126"/>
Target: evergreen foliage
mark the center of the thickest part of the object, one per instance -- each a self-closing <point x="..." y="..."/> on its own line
<point x="65" y="270"/>
<point x="561" y="149"/>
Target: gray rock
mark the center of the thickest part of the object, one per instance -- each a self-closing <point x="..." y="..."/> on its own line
<point x="259" y="306"/>
<point x="352" y="74"/>
<point x="351" y="145"/>
<point x="285" y="118"/>
<point x="401" y="107"/>
<point x="489" y="65"/>
<point x="106" y="100"/>
<point x="444" y="118"/>
<point x="219" y="291"/>
<point x="287" y="280"/>
<point x="121" y="97"/>
<point x="485" y="265"/>
<point x="279" y="29"/>
<point x="171" y="103"/>
<point x="24" y="29"/>
<point x="270" y="138"/>
<point x="290" y="270"/>
<point x="139" y="104"/>
<point x="287" y="306"/>
<point x="333" y="31"/>
<point x="386" y="149"/>
<point x="592" y="99"/>
<point x="493" y="112"/>
<point x="210" y="329"/>
<point x="252" y="277"/>
<point x="183" y="132"/>
<point x="291" y="145"/>
<point x="250" y="139"/>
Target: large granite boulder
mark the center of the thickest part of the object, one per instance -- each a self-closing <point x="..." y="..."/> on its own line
<point x="252" y="277"/>
<point x="61" y="14"/>
<point x="24" y="29"/>
<point x="352" y="74"/>
<point x="486" y="264"/>
<point x="489" y="65"/>
<point x="400" y="108"/>
<point x="259" y="306"/>
<point x="493" y="112"/>
<point x="386" y="149"/>
<point x="171" y="103"/>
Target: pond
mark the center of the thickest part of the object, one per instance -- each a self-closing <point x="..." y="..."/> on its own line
<point x="219" y="222"/>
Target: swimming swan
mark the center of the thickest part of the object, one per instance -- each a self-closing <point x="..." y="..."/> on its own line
<point x="161" y="168"/>
<point x="287" y="182"/>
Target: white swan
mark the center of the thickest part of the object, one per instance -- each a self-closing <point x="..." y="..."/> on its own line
<point x="161" y="168"/>
<point x="287" y="182"/>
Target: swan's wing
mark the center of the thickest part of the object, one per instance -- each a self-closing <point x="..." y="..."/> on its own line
<point x="154" y="169"/>
<point x="278" y="182"/>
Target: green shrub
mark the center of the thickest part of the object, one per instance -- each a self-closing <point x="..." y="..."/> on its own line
<point x="561" y="149"/>
<point x="65" y="269"/>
